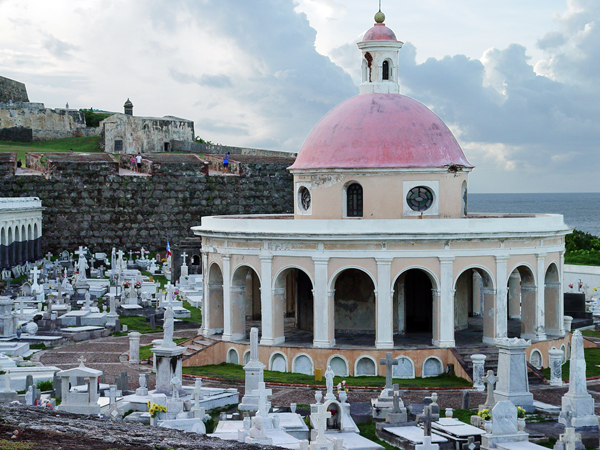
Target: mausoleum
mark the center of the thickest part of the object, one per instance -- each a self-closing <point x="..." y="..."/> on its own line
<point x="20" y="230"/>
<point x="381" y="251"/>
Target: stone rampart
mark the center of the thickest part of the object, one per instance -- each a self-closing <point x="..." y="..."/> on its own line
<point x="11" y="90"/>
<point x="198" y="147"/>
<point x="86" y="201"/>
<point x="44" y="123"/>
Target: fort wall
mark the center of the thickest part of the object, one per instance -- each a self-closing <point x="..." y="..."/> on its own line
<point x="87" y="202"/>
<point x="11" y="90"/>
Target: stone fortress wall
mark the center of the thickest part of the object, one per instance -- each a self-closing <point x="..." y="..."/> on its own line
<point x="11" y="90"/>
<point x="87" y="202"/>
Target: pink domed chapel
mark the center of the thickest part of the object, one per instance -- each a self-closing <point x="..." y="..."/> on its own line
<point x="381" y="253"/>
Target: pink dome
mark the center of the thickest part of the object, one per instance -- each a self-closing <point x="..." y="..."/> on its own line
<point x="380" y="131"/>
<point x="379" y="33"/>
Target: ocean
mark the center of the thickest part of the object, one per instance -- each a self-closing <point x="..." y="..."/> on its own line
<point x="581" y="211"/>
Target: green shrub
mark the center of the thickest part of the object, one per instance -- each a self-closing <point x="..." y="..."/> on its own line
<point x="44" y="385"/>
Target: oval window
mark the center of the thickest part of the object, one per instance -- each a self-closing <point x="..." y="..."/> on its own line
<point x="304" y="198"/>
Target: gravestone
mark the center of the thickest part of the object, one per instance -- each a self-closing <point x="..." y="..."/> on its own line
<point x="575" y="305"/>
<point x="490" y="381"/>
<point x="555" y="357"/>
<point x="504" y="426"/>
<point x="254" y="374"/>
<point x="513" y="382"/>
<point x="478" y="371"/>
<point x="577" y="399"/>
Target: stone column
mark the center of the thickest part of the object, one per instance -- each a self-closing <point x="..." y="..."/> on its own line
<point x="445" y="318"/>
<point x="323" y="328"/>
<point x="514" y="296"/>
<point x="540" y="310"/>
<point x="528" y="312"/>
<point x="501" y="307"/>
<point x="561" y="303"/>
<point x="134" y="347"/>
<point x="553" y="308"/>
<point x="279" y="315"/>
<point x="478" y="371"/>
<point x="384" y="325"/>
<point x="227" y="324"/>
<point x="401" y="309"/>
<point x="555" y="357"/>
<point x="266" y="300"/>
<point x="435" y="297"/>
<point x="477" y="294"/>
<point x="205" y="326"/>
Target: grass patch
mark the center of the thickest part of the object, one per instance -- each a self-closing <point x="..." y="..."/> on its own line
<point x="156" y="278"/>
<point x="464" y="415"/>
<point x="78" y="144"/>
<point x="590" y="333"/>
<point x="137" y="323"/>
<point x="195" y="313"/>
<point x="11" y="445"/>
<point x="44" y="385"/>
<point x="367" y="430"/>
<point x="592" y="360"/>
<point x="235" y="372"/>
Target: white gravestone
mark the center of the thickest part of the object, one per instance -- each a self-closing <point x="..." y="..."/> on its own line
<point x="329" y="383"/>
<point x="513" y="382"/>
<point x="254" y="375"/>
<point x="577" y="399"/>
<point x="555" y="357"/>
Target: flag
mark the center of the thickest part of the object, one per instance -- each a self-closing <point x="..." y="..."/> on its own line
<point x="168" y="249"/>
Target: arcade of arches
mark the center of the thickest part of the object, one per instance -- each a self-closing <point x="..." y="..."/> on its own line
<point x="350" y="308"/>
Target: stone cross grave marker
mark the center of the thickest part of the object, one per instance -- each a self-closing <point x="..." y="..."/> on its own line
<point x="263" y="399"/>
<point x="35" y="272"/>
<point x="169" y="288"/>
<point x="490" y="381"/>
<point x="388" y="362"/>
<point x="320" y="420"/>
<point x="81" y="361"/>
<point x="471" y="444"/>
<point x="183" y="257"/>
<point x="426" y="419"/>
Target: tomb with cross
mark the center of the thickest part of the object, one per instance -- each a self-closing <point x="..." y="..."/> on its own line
<point x="383" y="405"/>
<point x="490" y="381"/>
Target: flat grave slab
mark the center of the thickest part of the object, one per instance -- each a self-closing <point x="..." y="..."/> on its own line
<point x="354" y="441"/>
<point x="80" y="329"/>
<point x="456" y="428"/>
<point x="414" y="434"/>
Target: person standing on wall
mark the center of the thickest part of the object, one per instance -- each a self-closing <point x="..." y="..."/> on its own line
<point x="138" y="160"/>
<point x="226" y="161"/>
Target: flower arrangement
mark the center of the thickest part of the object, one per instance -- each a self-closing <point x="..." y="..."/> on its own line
<point x="485" y="414"/>
<point x="342" y="387"/>
<point x="126" y="284"/>
<point x="580" y="284"/>
<point x="571" y="285"/>
<point x="137" y="285"/>
<point x="520" y="412"/>
<point x="154" y="409"/>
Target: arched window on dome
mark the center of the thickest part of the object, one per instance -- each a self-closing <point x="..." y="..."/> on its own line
<point x="354" y="200"/>
<point x="385" y="70"/>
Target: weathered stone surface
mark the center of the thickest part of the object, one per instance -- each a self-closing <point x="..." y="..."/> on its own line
<point x="12" y="90"/>
<point x="87" y="202"/>
<point x="121" y="434"/>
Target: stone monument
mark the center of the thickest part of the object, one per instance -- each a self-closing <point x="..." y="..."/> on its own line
<point x="254" y="374"/>
<point x="513" y="382"/>
<point x="577" y="399"/>
<point x="168" y="356"/>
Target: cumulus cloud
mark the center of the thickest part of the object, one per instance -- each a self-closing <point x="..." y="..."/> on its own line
<point x="58" y="48"/>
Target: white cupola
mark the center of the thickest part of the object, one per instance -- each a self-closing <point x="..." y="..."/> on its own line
<point x="380" y="59"/>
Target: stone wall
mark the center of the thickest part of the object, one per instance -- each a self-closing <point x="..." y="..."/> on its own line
<point x="197" y="147"/>
<point x="86" y="201"/>
<point x="122" y="133"/>
<point x="12" y="90"/>
<point x="44" y="123"/>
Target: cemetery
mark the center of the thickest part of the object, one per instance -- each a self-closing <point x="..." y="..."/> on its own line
<point x="429" y="328"/>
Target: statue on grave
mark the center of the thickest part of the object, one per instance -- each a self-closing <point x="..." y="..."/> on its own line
<point x="329" y="374"/>
<point x="82" y="266"/>
<point x="29" y="400"/>
<point x="169" y="325"/>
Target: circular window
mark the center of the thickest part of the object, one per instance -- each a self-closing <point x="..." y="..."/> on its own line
<point x="419" y="198"/>
<point x="304" y="198"/>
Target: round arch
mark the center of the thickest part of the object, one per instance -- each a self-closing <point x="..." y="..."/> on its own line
<point x="553" y="308"/>
<point x="278" y="362"/>
<point x="530" y="328"/>
<point x="212" y="306"/>
<point x="303" y="363"/>
<point x="413" y="301"/>
<point x="245" y="300"/>
<point x="339" y="365"/>
<point x="293" y="304"/>
<point x="354" y="303"/>
<point x="369" y="369"/>
<point x="474" y="289"/>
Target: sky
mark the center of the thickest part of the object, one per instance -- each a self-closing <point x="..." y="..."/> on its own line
<point x="516" y="81"/>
